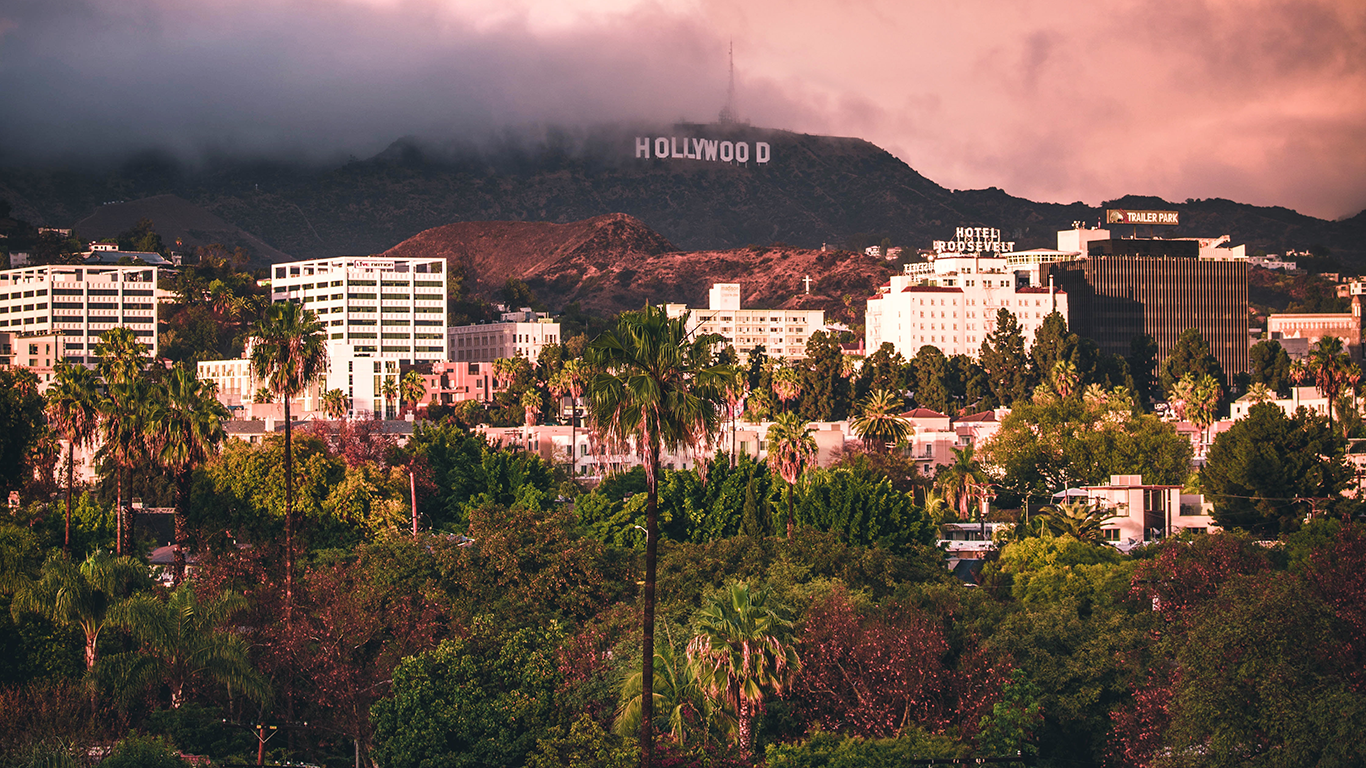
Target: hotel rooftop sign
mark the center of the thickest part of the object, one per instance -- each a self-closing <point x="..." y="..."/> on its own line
<point x="1122" y="216"/>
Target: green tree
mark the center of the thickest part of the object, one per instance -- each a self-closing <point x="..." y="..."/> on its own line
<point x="1004" y="360"/>
<point x="1267" y="471"/>
<point x="21" y="423"/>
<point x="181" y="640"/>
<point x="73" y="411"/>
<point x="184" y="428"/>
<point x="1190" y="355"/>
<point x="288" y="354"/>
<point x="144" y="752"/>
<point x="82" y="596"/>
<point x="1143" y="366"/>
<point x="531" y="404"/>
<point x="587" y="745"/>
<point x="743" y="650"/>
<point x="825" y="388"/>
<point x="476" y="701"/>
<point x="879" y="424"/>
<point x="1052" y="343"/>
<point x="934" y="381"/>
<point x="884" y="369"/>
<point x="657" y="390"/>
<point x="791" y="449"/>
<point x="1269" y="365"/>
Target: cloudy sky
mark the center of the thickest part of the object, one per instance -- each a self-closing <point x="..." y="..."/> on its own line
<point x="1055" y="100"/>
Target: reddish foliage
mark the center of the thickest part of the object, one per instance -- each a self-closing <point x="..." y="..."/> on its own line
<point x="1186" y="574"/>
<point x="1339" y="577"/>
<point x="871" y="674"/>
<point x="358" y="630"/>
<point x="355" y="442"/>
<point x="1139" y="726"/>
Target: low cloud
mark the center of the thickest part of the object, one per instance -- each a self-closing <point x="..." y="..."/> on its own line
<point x="1059" y="100"/>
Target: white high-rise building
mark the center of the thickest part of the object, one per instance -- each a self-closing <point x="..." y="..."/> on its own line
<point x="392" y="308"/>
<point x="81" y="303"/>
<point x="956" y="307"/>
<point x="783" y="333"/>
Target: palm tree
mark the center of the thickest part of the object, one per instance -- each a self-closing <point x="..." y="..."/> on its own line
<point x="675" y="692"/>
<point x="1330" y="369"/>
<point x="288" y="354"/>
<point x="412" y="389"/>
<point x="657" y="389"/>
<point x="73" y="410"/>
<point x="531" y="404"/>
<point x="336" y="404"/>
<point x="184" y="426"/>
<point x="743" y="649"/>
<point x="575" y="375"/>
<point x="879" y="423"/>
<point x="80" y="596"/>
<point x="388" y="388"/>
<point x="961" y="482"/>
<point x="791" y="449"/>
<point x="1064" y="378"/>
<point x="181" y="641"/>
<point x="124" y="441"/>
<point x="735" y="388"/>
<point x="787" y="384"/>
<point x="123" y="360"/>
<point x="1260" y="393"/>
<point x="1079" y="519"/>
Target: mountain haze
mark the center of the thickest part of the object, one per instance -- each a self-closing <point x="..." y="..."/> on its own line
<point x="815" y="190"/>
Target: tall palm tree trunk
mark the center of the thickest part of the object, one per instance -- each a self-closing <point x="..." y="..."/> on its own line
<point x="789" y="512"/>
<point x="182" y="500"/>
<point x="744" y="724"/>
<point x="647" y="665"/>
<point x="289" y="516"/>
<point x="70" y="481"/>
<point x="118" y="510"/>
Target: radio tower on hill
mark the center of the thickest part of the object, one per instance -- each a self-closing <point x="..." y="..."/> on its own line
<point x="727" y="115"/>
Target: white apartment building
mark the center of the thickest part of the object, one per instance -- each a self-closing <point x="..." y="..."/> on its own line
<point x="1147" y="512"/>
<point x="81" y="303"/>
<point x="956" y="308"/>
<point x="361" y="375"/>
<point x="380" y="307"/>
<point x="523" y="333"/>
<point x="782" y="332"/>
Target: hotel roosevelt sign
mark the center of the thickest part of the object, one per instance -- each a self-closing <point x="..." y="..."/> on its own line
<point x="706" y="150"/>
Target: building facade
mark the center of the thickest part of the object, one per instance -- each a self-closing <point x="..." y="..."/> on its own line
<point x="1126" y="288"/>
<point x="391" y="308"/>
<point x="783" y="333"/>
<point x="956" y="315"/>
<point x="518" y="334"/>
<point x="360" y="375"/>
<point x="80" y="303"/>
<point x="1346" y="326"/>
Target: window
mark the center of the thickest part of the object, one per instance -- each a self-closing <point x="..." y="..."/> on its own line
<point x="1111" y="534"/>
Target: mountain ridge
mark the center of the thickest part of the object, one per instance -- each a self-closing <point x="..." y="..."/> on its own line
<point x="814" y="190"/>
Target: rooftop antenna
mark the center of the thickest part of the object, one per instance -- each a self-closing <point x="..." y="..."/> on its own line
<point x="728" y="112"/>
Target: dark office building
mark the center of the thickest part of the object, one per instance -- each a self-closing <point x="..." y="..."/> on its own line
<point x="1158" y="287"/>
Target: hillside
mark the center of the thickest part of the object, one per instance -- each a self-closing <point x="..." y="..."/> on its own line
<point x="814" y="190"/>
<point x="176" y="219"/>
<point x="612" y="263"/>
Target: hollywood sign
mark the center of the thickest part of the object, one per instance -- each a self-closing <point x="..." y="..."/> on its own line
<point x="975" y="240"/>
<point x="710" y="150"/>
